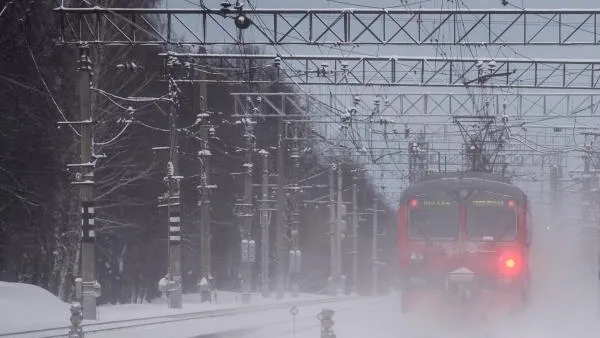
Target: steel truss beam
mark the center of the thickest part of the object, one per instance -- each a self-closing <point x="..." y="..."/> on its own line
<point x="331" y="26"/>
<point x="395" y="71"/>
<point x="518" y="151"/>
<point x="537" y="105"/>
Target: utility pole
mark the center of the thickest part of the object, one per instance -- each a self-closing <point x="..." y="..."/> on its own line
<point x="248" y="245"/>
<point x="375" y="248"/>
<point x="590" y="182"/>
<point x="332" y="227"/>
<point x="172" y="181"/>
<point x="281" y="202"/>
<point x="586" y="187"/>
<point x="553" y="185"/>
<point x="559" y="176"/>
<point x="204" y="186"/>
<point x="555" y="175"/>
<point x="340" y="278"/>
<point x="86" y="181"/>
<point x="295" y="255"/>
<point x="264" y="224"/>
<point x="354" y="239"/>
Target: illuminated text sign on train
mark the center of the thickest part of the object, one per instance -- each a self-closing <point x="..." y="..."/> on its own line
<point x="487" y="202"/>
<point x="437" y="203"/>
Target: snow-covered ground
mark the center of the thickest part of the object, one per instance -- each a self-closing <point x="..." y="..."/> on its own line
<point x="264" y="324"/>
<point x="226" y="299"/>
<point x="565" y="303"/>
<point x="25" y="307"/>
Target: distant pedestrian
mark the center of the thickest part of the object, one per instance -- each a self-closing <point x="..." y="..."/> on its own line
<point x="163" y="286"/>
<point x="205" y="294"/>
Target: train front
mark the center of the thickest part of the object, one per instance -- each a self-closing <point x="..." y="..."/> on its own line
<point x="465" y="245"/>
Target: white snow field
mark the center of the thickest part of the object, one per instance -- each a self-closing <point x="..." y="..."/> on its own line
<point x="265" y="324"/>
<point x="158" y="307"/>
<point x="25" y="307"/>
<point x="564" y="303"/>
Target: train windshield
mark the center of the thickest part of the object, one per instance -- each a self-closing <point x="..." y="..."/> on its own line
<point x="491" y="217"/>
<point x="433" y="217"/>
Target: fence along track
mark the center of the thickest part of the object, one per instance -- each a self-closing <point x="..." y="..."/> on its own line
<point x="157" y="320"/>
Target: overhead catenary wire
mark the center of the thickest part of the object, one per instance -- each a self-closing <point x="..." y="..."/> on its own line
<point x="354" y="136"/>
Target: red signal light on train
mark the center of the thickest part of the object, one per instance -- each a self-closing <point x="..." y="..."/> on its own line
<point x="511" y="203"/>
<point x="414" y="203"/>
<point x="510" y="263"/>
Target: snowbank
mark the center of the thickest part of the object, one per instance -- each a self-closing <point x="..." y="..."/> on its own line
<point x="28" y="307"/>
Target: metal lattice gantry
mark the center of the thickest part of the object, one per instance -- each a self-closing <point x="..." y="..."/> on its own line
<point x="331" y="26"/>
<point x="532" y="135"/>
<point x="527" y="104"/>
<point x="356" y="70"/>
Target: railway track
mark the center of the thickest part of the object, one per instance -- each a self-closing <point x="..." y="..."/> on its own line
<point x="114" y="325"/>
<point x="305" y="322"/>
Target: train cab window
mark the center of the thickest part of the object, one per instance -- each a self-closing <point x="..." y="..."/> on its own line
<point x="491" y="217"/>
<point x="433" y="217"/>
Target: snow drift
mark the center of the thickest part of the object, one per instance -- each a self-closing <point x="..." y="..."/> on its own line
<point x="27" y="307"/>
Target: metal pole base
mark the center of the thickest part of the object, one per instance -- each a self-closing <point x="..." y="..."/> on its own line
<point x="89" y="306"/>
<point x="295" y="284"/>
<point x="246" y="298"/>
<point x="343" y="285"/>
<point x="279" y="294"/>
<point x="332" y="287"/>
<point x="175" y="300"/>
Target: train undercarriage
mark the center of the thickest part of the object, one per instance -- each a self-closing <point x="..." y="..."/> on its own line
<point x="463" y="289"/>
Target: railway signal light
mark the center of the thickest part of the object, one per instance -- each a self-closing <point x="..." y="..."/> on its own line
<point x="511" y="203"/>
<point x="414" y="203"/>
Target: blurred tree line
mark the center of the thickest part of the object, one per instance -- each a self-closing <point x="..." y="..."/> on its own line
<point x="39" y="208"/>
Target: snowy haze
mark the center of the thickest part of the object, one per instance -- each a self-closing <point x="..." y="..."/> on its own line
<point x="565" y="299"/>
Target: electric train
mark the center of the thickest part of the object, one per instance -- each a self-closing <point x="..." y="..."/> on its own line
<point x="464" y="236"/>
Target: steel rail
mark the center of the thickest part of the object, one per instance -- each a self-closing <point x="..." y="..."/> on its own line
<point x="163" y="319"/>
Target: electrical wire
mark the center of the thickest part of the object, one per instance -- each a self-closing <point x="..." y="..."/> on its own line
<point x="37" y="68"/>
<point x="352" y="131"/>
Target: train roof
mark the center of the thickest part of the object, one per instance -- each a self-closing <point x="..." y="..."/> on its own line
<point x="466" y="174"/>
<point x="473" y="180"/>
